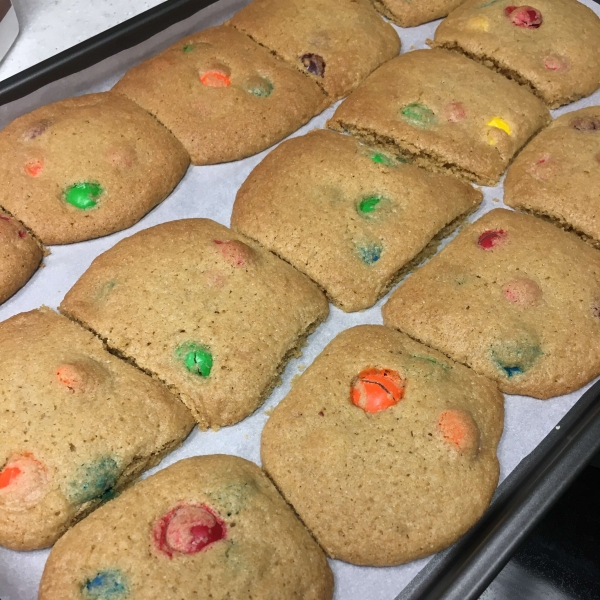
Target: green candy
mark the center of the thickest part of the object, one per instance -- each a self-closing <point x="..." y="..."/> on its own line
<point x="188" y="47"/>
<point x="418" y="115"/>
<point x="260" y="87"/>
<point x="84" y="195"/>
<point x="368" y="205"/>
<point x="382" y="159"/>
<point x="196" y="358"/>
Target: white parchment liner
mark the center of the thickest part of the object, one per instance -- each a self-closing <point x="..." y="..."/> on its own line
<point x="210" y="192"/>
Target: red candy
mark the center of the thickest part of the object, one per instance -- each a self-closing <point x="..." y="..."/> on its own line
<point x="235" y="252"/>
<point x="377" y="389"/>
<point x="522" y="291"/>
<point x="491" y="238"/>
<point x="524" y="16"/>
<point x="187" y="529"/>
<point x="4" y="218"/>
<point x="555" y="62"/>
<point x="22" y="234"/>
<point x="455" y="111"/>
<point x="34" y="167"/>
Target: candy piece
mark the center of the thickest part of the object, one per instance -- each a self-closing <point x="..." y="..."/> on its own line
<point x="499" y="123"/>
<point x="556" y="62"/>
<point x="259" y="87"/>
<point x="418" y="115"/>
<point x="187" y="529"/>
<point x="524" y="16"/>
<point x="5" y="218"/>
<point x="34" y="167"/>
<point x="110" y="584"/>
<point x="215" y="78"/>
<point x="314" y="64"/>
<point x="93" y="480"/>
<point x="491" y="238"/>
<point x="368" y="205"/>
<point x="596" y="308"/>
<point x="188" y="47"/>
<point x="122" y="157"/>
<point x="516" y="357"/>
<point x="22" y="234"/>
<point x="459" y="428"/>
<point x="382" y="159"/>
<point x="478" y="23"/>
<point x="586" y="124"/>
<point x="196" y="358"/>
<point x="455" y="112"/>
<point x="84" y="195"/>
<point x="522" y="291"/>
<point x="37" y="130"/>
<point x="236" y="253"/>
<point x="72" y="376"/>
<point x="370" y="254"/>
<point x="377" y="389"/>
<point x="23" y="482"/>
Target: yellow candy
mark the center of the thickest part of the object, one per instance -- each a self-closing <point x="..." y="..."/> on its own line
<point x="481" y="23"/>
<point x="499" y="123"/>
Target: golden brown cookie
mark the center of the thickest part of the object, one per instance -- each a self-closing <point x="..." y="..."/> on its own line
<point x="207" y="527"/>
<point x="470" y="124"/>
<point x="78" y="425"/>
<point x="513" y="297"/>
<point x="409" y="14"/>
<point x="351" y="218"/>
<point x="557" y="175"/>
<point x="204" y="309"/>
<point x="385" y="449"/>
<point x="337" y="43"/>
<point x="20" y="256"/>
<point x="223" y="96"/>
<point x="86" y="167"/>
<point x="551" y="47"/>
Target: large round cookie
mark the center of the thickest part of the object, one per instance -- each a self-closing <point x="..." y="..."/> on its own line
<point x="385" y="449"/>
<point x="86" y="167"/>
<point x="20" y="256"/>
<point x="557" y="175"/>
<point x="206" y="527"/>
<point x="78" y="425"/>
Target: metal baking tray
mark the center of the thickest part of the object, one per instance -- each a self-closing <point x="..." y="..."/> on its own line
<point x="463" y="571"/>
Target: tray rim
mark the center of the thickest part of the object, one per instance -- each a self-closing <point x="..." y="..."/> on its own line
<point x="465" y="569"/>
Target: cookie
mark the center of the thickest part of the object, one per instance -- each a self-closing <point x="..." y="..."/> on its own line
<point x="411" y="14"/>
<point x="353" y="219"/>
<point x="208" y="526"/>
<point x="557" y="175"/>
<point x="78" y="425"/>
<point x="86" y="167"/>
<point x="550" y="47"/>
<point x="20" y="256"/>
<point x="470" y="124"/>
<point x="336" y="43"/>
<point x="513" y="297"/>
<point x="210" y="313"/>
<point x="385" y="449"/>
<point x="223" y="96"/>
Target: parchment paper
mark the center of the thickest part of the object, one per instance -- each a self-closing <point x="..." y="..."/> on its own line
<point x="210" y="192"/>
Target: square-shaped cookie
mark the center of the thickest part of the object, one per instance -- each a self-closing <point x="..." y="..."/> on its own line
<point x="210" y="313"/>
<point x="20" y="256"/>
<point x="336" y="43"/>
<point x="385" y="448"/>
<point x="86" y="167"/>
<point x="513" y="297"/>
<point x="223" y="96"/>
<point x="557" y="175"/>
<point x="443" y="112"/>
<point x="551" y="47"/>
<point x="78" y="425"/>
<point x="353" y="219"/>
<point x="411" y="14"/>
<point x="208" y="526"/>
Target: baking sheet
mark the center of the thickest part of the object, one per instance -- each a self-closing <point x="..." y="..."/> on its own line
<point x="209" y="191"/>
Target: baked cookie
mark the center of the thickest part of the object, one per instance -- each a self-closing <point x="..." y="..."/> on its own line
<point x="77" y="426"/>
<point x="352" y="219"/>
<point x="86" y="167"/>
<point x="513" y="297"/>
<point x="470" y="124"/>
<point x="385" y="449"/>
<point x="208" y="527"/>
<point x="207" y="311"/>
<point x="20" y="256"/>
<point x="336" y="43"/>
<point x="410" y="14"/>
<point x="557" y="175"/>
<point x="223" y="96"/>
<point x="550" y="47"/>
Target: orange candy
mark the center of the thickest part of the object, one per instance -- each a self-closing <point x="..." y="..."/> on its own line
<point x="458" y="428"/>
<point x="34" y="167"/>
<point x="70" y="376"/>
<point x="377" y="389"/>
<point x="8" y="475"/>
<point x="216" y="79"/>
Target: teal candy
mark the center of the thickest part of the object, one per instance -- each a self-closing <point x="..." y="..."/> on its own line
<point x="515" y="357"/>
<point x="94" y="480"/>
<point x="370" y="254"/>
<point x="106" y="585"/>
